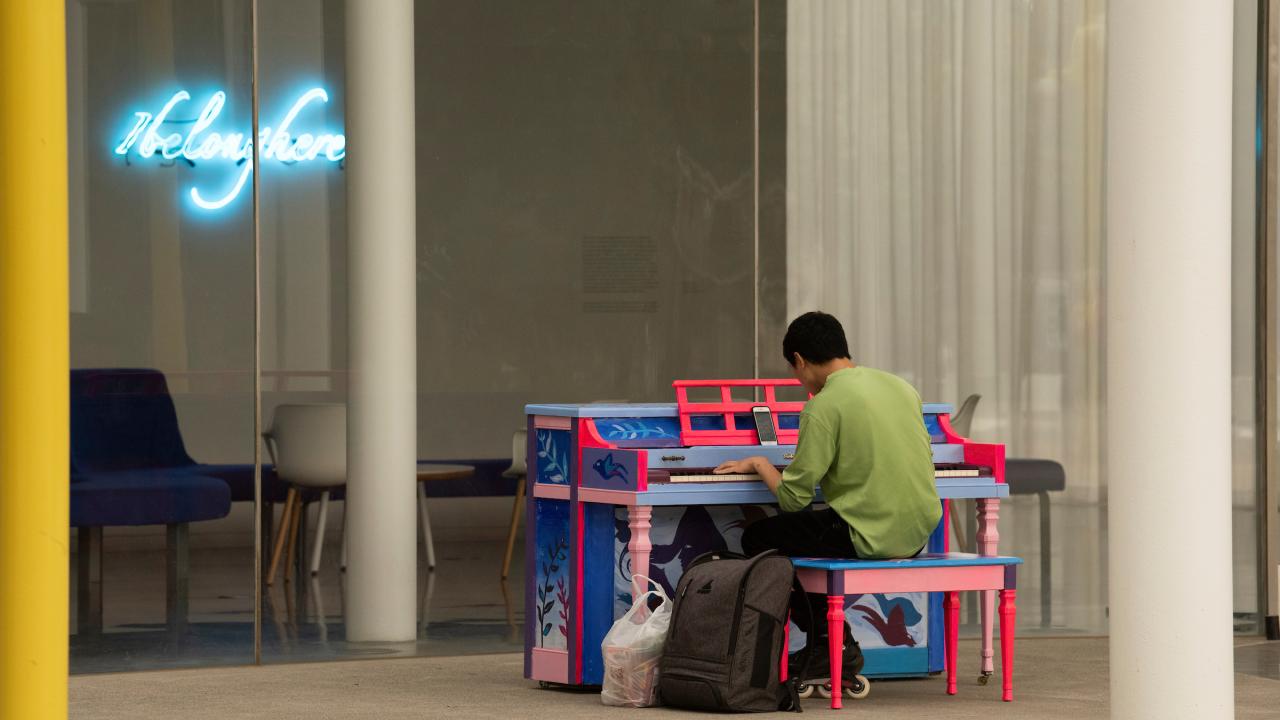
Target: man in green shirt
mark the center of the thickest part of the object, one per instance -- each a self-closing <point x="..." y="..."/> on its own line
<point x="863" y="441"/>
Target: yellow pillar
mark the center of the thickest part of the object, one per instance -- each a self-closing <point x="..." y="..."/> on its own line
<point x="34" y="359"/>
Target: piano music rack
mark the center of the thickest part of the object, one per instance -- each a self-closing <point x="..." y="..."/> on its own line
<point x="728" y="408"/>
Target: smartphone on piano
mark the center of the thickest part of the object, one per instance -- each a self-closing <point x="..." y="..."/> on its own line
<point x="764" y="425"/>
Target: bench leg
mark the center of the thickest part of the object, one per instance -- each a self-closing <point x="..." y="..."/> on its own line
<point x="786" y="645"/>
<point x="177" y="577"/>
<point x="835" y="646"/>
<point x="988" y="540"/>
<point x="1008" y="620"/>
<point x="89" y="581"/>
<point x="951" y="623"/>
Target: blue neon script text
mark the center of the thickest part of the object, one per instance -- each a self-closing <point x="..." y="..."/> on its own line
<point x="192" y="140"/>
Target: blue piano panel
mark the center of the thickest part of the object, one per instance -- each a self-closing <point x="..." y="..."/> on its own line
<point x="935" y="430"/>
<point x="551" y="557"/>
<point x="554" y="447"/>
<point x="653" y="431"/>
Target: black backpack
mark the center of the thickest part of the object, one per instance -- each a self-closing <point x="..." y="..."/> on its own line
<point x="724" y="642"/>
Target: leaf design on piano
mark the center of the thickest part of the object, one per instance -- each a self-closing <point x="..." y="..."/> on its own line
<point x="563" y="596"/>
<point x="557" y="462"/>
<point x="635" y="430"/>
<point x="551" y="589"/>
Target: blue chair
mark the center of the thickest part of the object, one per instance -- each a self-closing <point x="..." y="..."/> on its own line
<point x="129" y="467"/>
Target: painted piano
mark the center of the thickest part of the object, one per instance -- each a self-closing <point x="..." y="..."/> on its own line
<point x="626" y="490"/>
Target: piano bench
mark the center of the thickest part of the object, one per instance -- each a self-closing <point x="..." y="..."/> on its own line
<point x="950" y="573"/>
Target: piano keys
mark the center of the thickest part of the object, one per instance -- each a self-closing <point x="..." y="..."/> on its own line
<point x="618" y="490"/>
<point x="700" y="475"/>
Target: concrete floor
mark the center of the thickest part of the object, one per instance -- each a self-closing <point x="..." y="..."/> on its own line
<point x="1056" y="678"/>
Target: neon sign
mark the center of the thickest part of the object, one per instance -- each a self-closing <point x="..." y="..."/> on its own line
<point x="192" y="140"/>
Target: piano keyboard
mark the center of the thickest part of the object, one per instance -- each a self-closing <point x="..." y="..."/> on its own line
<point x="712" y="477"/>
<point x="941" y="471"/>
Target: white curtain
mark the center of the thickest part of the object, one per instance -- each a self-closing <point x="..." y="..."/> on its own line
<point x="943" y="200"/>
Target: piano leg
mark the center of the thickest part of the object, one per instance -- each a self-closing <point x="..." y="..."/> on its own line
<point x="638" y="519"/>
<point x="988" y="539"/>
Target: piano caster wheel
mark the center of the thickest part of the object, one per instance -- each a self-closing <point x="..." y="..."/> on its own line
<point x="984" y="678"/>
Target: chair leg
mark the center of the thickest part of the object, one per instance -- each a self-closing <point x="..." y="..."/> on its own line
<point x="89" y="581"/>
<point x="177" y="577"/>
<point x="318" y="543"/>
<point x="426" y="527"/>
<point x="299" y="508"/>
<point x="516" y="510"/>
<point x="1046" y="563"/>
<point x="342" y="557"/>
<point x="268" y="511"/>
<point x="285" y="524"/>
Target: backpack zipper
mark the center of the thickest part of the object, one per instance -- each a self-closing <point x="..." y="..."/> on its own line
<point x="737" y="608"/>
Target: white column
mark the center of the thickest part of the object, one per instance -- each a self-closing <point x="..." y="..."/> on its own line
<point x="1168" y="215"/>
<point x="382" y="326"/>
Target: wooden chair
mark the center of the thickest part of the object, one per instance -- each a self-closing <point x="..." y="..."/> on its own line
<point x="308" y="445"/>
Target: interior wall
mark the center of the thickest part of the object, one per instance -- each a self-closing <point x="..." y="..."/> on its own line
<point x="585" y="224"/>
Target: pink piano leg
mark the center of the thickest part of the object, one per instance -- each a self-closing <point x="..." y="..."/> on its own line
<point x="638" y="519"/>
<point x="988" y="538"/>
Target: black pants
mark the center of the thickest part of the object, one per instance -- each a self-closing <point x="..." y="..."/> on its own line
<point x="808" y="533"/>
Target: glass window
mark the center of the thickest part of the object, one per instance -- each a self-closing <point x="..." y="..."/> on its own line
<point x="162" y="336"/>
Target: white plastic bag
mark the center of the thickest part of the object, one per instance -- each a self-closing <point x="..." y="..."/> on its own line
<point x="632" y="649"/>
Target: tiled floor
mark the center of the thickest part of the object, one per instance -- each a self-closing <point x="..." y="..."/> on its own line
<point x="464" y="609"/>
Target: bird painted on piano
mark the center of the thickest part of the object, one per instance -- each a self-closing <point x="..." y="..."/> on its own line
<point x="608" y="469"/>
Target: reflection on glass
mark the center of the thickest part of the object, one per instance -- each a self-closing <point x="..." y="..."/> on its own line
<point x="161" y="341"/>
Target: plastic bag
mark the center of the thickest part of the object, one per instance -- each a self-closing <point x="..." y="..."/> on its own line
<point x="632" y="649"/>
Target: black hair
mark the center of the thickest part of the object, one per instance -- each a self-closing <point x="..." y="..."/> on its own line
<point x="817" y="337"/>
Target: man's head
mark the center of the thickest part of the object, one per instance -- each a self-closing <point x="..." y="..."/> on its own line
<point x="815" y="347"/>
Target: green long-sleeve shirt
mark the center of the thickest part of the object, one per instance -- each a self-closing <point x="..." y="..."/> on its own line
<point x="863" y="439"/>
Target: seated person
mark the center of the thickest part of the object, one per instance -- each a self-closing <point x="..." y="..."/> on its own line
<point x="862" y="438"/>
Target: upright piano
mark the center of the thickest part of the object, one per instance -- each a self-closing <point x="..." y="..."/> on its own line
<point x="620" y="491"/>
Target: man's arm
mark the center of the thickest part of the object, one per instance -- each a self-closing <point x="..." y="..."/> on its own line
<point x="758" y="465"/>
<point x="815" y="452"/>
